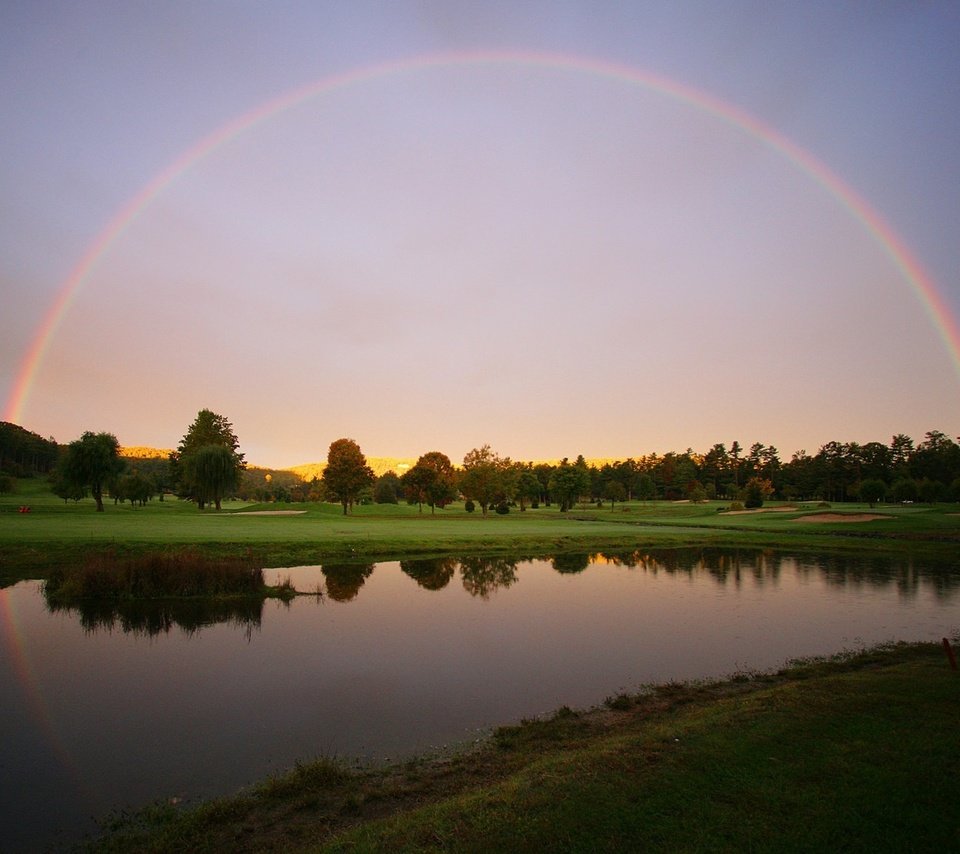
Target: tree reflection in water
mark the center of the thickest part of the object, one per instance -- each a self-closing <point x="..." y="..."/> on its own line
<point x="482" y="575"/>
<point x="154" y="617"/>
<point x="571" y="563"/>
<point x="431" y="573"/>
<point x="344" y="580"/>
<point x="767" y="565"/>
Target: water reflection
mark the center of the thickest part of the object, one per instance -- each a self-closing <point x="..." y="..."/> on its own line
<point x="481" y="576"/>
<point x="344" y="580"/>
<point x="763" y="566"/>
<point x="428" y="652"/>
<point x="152" y="617"/>
<point x="571" y="563"/>
<point x="431" y="573"/>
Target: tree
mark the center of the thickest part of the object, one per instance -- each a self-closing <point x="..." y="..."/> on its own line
<point x="347" y="472"/>
<point x="904" y="489"/>
<point x="873" y="490"/>
<point x="757" y="490"/>
<point x="431" y="480"/>
<point x="92" y="461"/>
<point x="208" y="430"/>
<point x="485" y="477"/>
<point x="613" y="491"/>
<point x="24" y="453"/>
<point x="527" y="485"/>
<point x="645" y="487"/>
<point x="569" y="482"/>
<point x="212" y="473"/>
<point x="387" y="488"/>
<point x="734" y="460"/>
<point x="544" y="471"/>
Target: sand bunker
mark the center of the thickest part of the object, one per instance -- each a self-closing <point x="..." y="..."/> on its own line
<point x="268" y="513"/>
<point x="841" y="517"/>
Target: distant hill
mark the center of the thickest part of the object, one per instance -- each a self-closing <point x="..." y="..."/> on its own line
<point x="140" y="452"/>
<point x="380" y="465"/>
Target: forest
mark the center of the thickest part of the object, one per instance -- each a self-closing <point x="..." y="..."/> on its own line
<point x="900" y="470"/>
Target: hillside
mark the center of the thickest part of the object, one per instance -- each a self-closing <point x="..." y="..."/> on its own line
<point x="380" y="465"/>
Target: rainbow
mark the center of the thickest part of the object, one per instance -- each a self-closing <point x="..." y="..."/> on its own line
<point x="11" y="637"/>
<point x="899" y="254"/>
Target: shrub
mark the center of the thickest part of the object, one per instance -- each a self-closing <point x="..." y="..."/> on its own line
<point x="503" y="508"/>
<point x="158" y="575"/>
<point x="756" y="491"/>
<point x="469" y="506"/>
<point x="736" y="505"/>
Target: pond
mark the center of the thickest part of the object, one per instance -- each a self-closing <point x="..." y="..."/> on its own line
<point x="105" y="709"/>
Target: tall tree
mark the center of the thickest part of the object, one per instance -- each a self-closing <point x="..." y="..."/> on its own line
<point x="735" y="451"/>
<point x="207" y="430"/>
<point x="92" y="461"/>
<point x="347" y="472"/>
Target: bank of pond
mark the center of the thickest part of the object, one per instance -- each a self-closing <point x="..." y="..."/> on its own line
<point x="122" y="698"/>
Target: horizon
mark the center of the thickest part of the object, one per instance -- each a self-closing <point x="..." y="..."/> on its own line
<point x="130" y="451"/>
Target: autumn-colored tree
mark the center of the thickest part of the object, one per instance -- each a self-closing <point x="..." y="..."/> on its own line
<point x="485" y="477"/>
<point x="432" y="480"/>
<point x="347" y="472"/>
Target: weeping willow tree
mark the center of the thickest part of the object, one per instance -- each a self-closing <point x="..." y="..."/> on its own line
<point x="210" y="473"/>
<point x="91" y="461"/>
<point x="207" y="464"/>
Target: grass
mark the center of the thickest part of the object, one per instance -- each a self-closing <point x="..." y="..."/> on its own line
<point x="160" y="575"/>
<point x="857" y="753"/>
<point x="54" y="533"/>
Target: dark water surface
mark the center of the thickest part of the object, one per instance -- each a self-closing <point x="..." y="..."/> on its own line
<point x="102" y="710"/>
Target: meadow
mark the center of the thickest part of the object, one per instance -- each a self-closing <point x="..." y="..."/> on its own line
<point x="55" y="533"/>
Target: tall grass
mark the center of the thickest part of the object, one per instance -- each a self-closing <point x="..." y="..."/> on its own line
<point x="170" y="574"/>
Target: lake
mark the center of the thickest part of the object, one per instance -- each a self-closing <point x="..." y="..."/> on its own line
<point x="106" y="709"/>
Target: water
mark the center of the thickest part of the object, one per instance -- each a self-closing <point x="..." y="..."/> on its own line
<point x="104" y="710"/>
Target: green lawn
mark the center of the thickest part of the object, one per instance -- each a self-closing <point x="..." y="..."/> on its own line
<point x="859" y="754"/>
<point x="54" y="532"/>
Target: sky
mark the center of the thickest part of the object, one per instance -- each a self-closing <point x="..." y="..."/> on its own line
<point x="555" y="228"/>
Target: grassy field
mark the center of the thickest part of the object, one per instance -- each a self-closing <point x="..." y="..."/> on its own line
<point x="854" y="754"/>
<point x="56" y="533"/>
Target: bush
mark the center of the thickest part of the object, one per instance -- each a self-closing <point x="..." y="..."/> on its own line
<point x="754" y="494"/>
<point x="469" y="506"/>
<point x="736" y="505"/>
<point x="503" y="508"/>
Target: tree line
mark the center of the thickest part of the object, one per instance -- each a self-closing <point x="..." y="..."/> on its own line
<point x="208" y="467"/>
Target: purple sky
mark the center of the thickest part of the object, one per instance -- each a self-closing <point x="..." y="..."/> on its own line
<point x="543" y="259"/>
